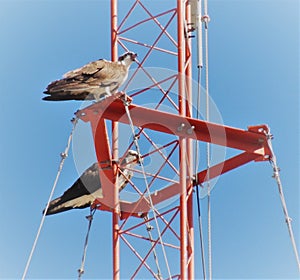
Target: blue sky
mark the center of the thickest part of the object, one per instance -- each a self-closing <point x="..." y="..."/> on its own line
<point x="254" y="79"/>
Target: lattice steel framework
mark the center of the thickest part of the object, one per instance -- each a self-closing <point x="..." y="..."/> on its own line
<point x="150" y="31"/>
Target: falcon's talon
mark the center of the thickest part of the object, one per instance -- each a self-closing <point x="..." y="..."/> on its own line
<point x="126" y="99"/>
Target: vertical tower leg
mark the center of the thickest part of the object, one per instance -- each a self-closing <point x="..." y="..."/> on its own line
<point x="115" y="213"/>
<point x="182" y="141"/>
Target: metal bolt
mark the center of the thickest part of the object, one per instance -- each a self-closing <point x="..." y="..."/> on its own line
<point x="63" y="155"/>
<point x="191" y="130"/>
<point x="149" y="227"/>
<point x="180" y="128"/>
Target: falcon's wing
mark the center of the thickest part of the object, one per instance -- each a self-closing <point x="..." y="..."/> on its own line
<point x="88" y="69"/>
<point x="80" y="194"/>
<point x="100" y="72"/>
<point x="87" y="183"/>
<point x="88" y="81"/>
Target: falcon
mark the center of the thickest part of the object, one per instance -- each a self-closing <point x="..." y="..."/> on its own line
<point x="87" y="187"/>
<point x="92" y="81"/>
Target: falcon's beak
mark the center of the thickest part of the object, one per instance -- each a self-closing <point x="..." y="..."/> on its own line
<point x="133" y="56"/>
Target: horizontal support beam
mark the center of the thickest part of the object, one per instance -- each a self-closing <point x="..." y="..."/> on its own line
<point x="253" y="140"/>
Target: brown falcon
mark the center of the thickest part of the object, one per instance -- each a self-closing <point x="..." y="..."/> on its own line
<point x="87" y="187"/>
<point x="94" y="80"/>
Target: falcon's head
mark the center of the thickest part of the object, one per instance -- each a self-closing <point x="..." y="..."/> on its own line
<point x="127" y="58"/>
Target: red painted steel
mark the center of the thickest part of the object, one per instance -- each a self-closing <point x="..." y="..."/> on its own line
<point x="253" y="141"/>
<point x="103" y="153"/>
<point x="182" y="141"/>
<point x="115" y="153"/>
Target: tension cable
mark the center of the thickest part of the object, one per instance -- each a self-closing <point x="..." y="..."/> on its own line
<point x="288" y="219"/>
<point x="205" y="19"/>
<point x="199" y="22"/>
<point x="63" y="156"/>
<point x="149" y="229"/>
<point x="90" y="219"/>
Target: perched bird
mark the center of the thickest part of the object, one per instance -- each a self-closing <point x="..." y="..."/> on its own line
<point x="87" y="187"/>
<point x="94" y="80"/>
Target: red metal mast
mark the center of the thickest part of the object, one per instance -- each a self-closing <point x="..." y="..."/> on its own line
<point x="115" y="152"/>
<point x="147" y="31"/>
<point x="182" y="143"/>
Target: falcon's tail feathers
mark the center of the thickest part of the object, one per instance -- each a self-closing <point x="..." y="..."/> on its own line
<point x="58" y="98"/>
<point x="57" y="206"/>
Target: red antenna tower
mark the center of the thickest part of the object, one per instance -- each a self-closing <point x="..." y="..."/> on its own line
<point x="149" y="33"/>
